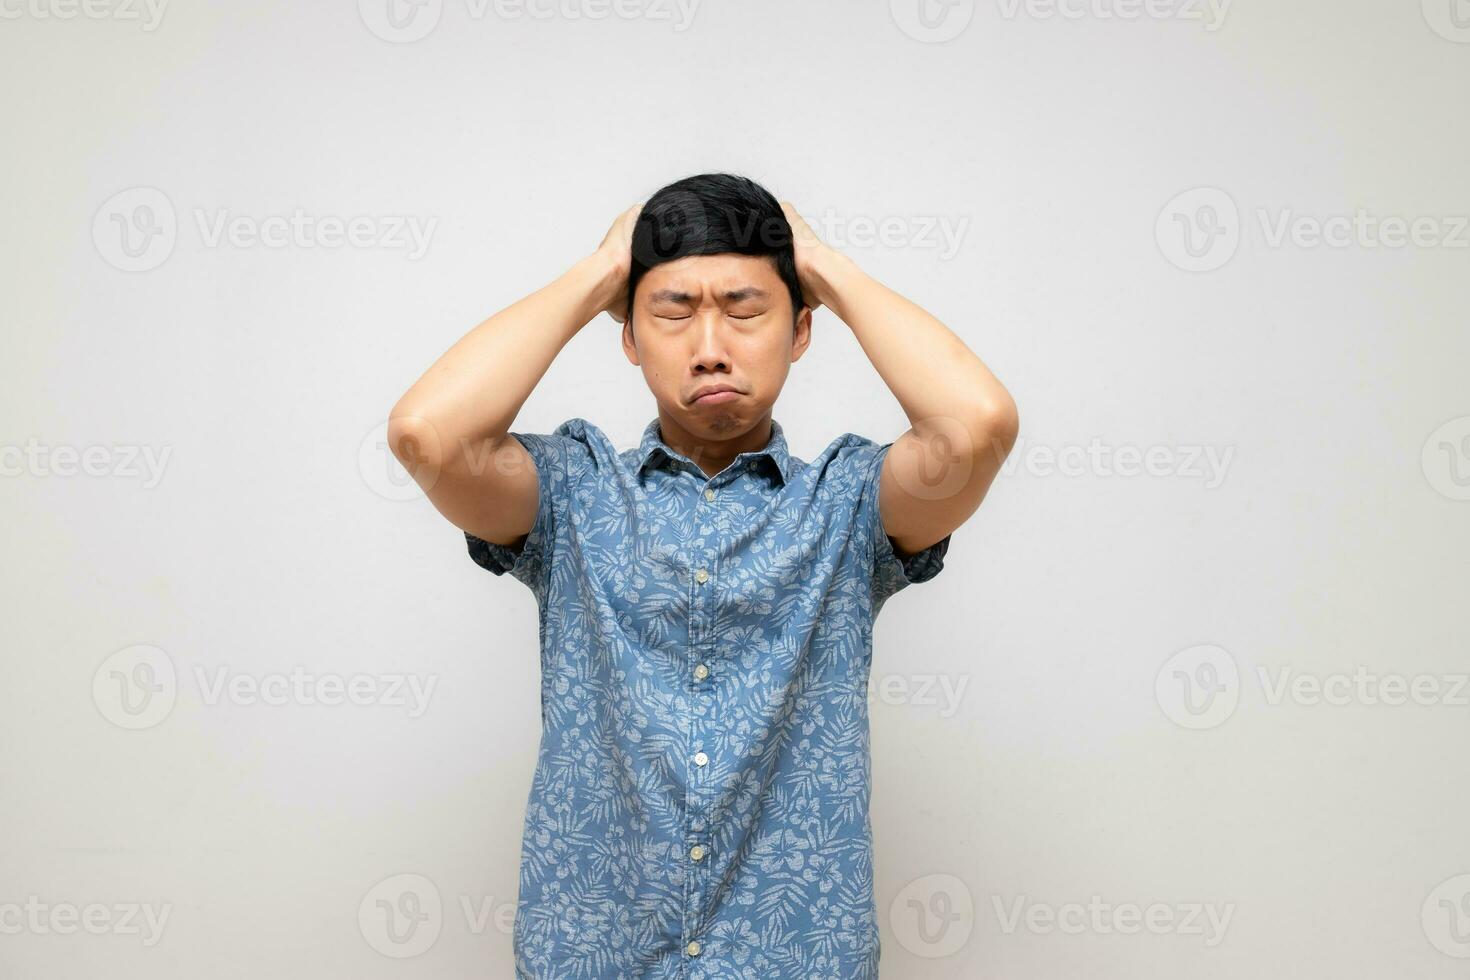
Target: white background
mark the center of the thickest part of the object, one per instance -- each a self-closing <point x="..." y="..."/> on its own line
<point x="1077" y="758"/>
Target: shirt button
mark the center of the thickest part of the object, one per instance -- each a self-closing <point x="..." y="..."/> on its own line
<point x="701" y="576"/>
<point x="696" y="852"/>
<point x="693" y="947"/>
<point x="700" y="759"/>
<point x="701" y="672"/>
<point x="709" y="495"/>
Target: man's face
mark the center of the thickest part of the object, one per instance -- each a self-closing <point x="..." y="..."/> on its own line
<point x="715" y="320"/>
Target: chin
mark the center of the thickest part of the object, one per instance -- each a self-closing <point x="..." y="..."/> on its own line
<point x="726" y="423"/>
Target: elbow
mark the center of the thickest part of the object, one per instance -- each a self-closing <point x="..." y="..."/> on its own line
<point x="998" y="423"/>
<point x="414" y="440"/>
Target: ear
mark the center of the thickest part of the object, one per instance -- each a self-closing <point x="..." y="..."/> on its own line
<point x="801" y="335"/>
<point x="630" y="343"/>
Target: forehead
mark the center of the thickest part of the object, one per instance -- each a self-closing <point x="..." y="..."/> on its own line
<point x="704" y="274"/>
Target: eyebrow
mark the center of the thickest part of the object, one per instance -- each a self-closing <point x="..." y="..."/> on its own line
<point x="730" y="295"/>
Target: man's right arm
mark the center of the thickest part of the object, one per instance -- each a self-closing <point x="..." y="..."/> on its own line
<point x="450" y="430"/>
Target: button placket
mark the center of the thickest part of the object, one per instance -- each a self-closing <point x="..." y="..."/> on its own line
<point x="697" y="846"/>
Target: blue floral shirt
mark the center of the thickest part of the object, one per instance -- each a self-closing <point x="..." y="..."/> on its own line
<point x="700" y="802"/>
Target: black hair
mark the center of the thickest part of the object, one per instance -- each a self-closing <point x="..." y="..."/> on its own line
<point x="712" y="214"/>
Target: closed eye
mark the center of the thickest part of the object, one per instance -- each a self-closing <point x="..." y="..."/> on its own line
<point x="733" y="316"/>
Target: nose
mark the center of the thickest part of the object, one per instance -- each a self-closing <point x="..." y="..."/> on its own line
<point x="711" y="355"/>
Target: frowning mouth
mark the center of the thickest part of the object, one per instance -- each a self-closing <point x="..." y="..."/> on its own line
<point x="715" y="394"/>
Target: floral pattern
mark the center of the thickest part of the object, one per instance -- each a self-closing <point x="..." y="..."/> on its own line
<point x="700" y="802"/>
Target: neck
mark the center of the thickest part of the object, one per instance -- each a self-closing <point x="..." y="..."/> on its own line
<point x="712" y="455"/>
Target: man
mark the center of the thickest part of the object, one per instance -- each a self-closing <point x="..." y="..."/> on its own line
<point x="700" y="801"/>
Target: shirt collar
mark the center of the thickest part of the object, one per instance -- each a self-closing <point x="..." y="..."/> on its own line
<point x="652" y="445"/>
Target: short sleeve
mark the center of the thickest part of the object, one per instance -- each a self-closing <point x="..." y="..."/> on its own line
<point x="558" y="457"/>
<point x="891" y="573"/>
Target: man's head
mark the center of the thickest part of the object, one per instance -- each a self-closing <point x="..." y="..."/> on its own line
<point x="714" y="299"/>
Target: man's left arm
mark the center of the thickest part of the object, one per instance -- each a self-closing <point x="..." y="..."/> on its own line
<point x="963" y="422"/>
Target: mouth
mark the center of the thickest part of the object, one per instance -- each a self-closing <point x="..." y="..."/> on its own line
<point x="716" y="395"/>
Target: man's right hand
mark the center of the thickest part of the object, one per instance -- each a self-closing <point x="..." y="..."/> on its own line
<point x="617" y="250"/>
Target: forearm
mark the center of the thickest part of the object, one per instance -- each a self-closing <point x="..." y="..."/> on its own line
<point x="471" y="395"/>
<point x="929" y="369"/>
